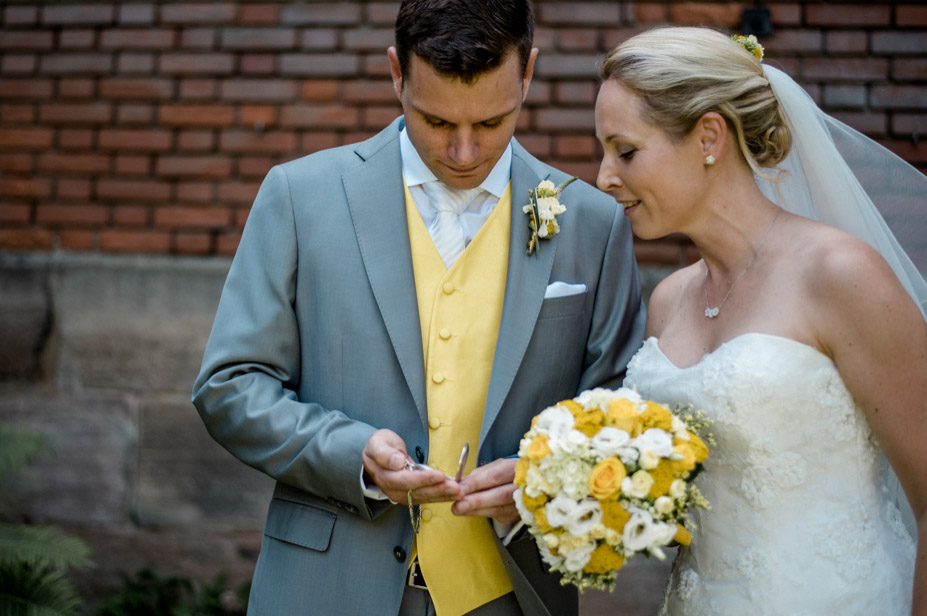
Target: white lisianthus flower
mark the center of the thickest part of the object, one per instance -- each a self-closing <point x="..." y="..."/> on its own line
<point x="568" y="442"/>
<point x="586" y="515"/>
<point x="554" y="421"/>
<point x="559" y="511"/>
<point x="637" y="485"/>
<point x="677" y="489"/>
<point x="655" y="440"/>
<point x="578" y="557"/>
<point x="608" y="441"/>
<point x="664" y="505"/>
<point x="641" y="532"/>
<point x="629" y="455"/>
<point x="600" y="397"/>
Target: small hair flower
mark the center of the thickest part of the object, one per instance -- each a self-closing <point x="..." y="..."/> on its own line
<point x="750" y="44"/>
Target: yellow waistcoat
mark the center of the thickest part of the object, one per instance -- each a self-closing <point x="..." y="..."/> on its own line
<point x="460" y="309"/>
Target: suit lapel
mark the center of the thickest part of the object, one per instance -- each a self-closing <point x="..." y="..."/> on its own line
<point x="526" y="283"/>
<point x="376" y="200"/>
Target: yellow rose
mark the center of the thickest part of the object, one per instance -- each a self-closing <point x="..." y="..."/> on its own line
<point x="589" y="422"/>
<point x="657" y="416"/>
<point x="521" y="471"/>
<point x="538" y="447"/>
<point x="684" y="449"/>
<point x="624" y="415"/>
<point x="605" y="479"/>
<point x="614" y="516"/>
<point x="604" y="559"/>
<point x="663" y="476"/>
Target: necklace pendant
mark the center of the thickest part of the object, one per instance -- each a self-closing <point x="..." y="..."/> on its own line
<point x="712" y="312"/>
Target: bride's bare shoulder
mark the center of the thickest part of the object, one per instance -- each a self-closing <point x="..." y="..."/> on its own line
<point x="667" y="296"/>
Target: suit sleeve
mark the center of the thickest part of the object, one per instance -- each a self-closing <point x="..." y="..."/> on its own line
<point x="246" y="390"/>
<point x="619" y="315"/>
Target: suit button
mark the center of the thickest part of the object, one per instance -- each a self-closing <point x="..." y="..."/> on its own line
<point x="434" y="423"/>
<point x="445" y="333"/>
<point x="448" y="288"/>
<point x="399" y="554"/>
<point x="437" y="377"/>
<point x="420" y="455"/>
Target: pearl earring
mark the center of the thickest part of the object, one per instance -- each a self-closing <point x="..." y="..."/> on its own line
<point x="709" y="160"/>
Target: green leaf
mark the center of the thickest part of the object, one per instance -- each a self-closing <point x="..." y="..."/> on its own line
<point x="40" y="547"/>
<point x="36" y="592"/>
<point x="18" y="446"/>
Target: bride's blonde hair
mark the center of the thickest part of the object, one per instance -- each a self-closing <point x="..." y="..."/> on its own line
<point x="681" y="73"/>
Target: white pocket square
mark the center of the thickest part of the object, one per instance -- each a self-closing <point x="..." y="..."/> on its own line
<point x="563" y="289"/>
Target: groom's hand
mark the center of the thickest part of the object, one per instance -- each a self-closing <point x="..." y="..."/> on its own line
<point x="488" y="492"/>
<point x="387" y="464"/>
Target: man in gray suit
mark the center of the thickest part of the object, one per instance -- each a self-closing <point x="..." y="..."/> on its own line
<point x="320" y="367"/>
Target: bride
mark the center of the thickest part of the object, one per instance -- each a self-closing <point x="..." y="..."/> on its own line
<point x="799" y="339"/>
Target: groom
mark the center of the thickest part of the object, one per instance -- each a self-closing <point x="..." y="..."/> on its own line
<point x="382" y="311"/>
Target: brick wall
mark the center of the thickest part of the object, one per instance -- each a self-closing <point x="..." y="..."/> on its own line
<point x="146" y="127"/>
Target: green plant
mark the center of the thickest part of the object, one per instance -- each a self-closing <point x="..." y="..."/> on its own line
<point x="33" y="560"/>
<point x="148" y="594"/>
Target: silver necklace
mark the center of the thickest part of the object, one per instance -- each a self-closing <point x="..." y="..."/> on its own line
<point x="713" y="312"/>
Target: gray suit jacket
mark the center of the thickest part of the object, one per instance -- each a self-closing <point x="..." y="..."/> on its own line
<point x="316" y="344"/>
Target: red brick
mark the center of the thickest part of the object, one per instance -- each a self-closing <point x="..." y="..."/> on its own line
<point x="316" y="142"/>
<point x="658" y="252"/>
<point x="131" y="216"/>
<point x="909" y="123"/>
<point x="21" y="15"/>
<point x="195" y="192"/>
<point x="64" y="63"/>
<point x="198" y="89"/>
<point x="653" y="12"/>
<point x="196" y="115"/>
<point x="377" y="65"/>
<point x="241" y="217"/>
<point x="24" y="188"/>
<point x="235" y="192"/>
<point x="578" y="39"/>
<point x="320" y="13"/>
<point x="135" y="62"/>
<point x="135" y="139"/>
<point x="575" y="93"/>
<point x="320" y="64"/>
<point x="134" y="241"/>
<point x="198" y="38"/>
<point x="845" y="96"/>
<point x="575" y="146"/>
<point x="25" y="138"/>
<point x="192" y="217"/>
<point x="22" y="40"/>
<point x="239" y="141"/>
<point x="257" y="90"/>
<point x="136" y="14"/>
<point x="15" y="213"/>
<point x="869" y="123"/>
<point x="782" y="41"/>
<point x="197" y="63"/>
<point x="227" y="243"/>
<point x="257" y="38"/>
<point x="369" y="91"/>
<point x="77" y="239"/>
<point x="134" y="113"/>
<point x="318" y="116"/>
<point x="378" y="117"/>
<point x="899" y="97"/>
<point x="16" y="163"/>
<point x="151" y="191"/>
<point x="591" y="13"/>
<point x="77" y="14"/>
<point x="184" y="13"/>
<point x="15" y="88"/>
<point x="216" y="166"/>
<point x="137" y="38"/>
<point x="854" y="69"/>
<point x="259" y="117"/>
<point x="19" y="63"/>
<point x="16" y="114"/>
<point x="374" y="40"/>
<point x="848" y="14"/>
<point x="73" y="189"/>
<point x="193" y="243"/>
<point x="76" y="113"/>
<point x="74" y="164"/>
<point x="26" y="239"/>
<point x="136" y="88"/>
<point x="846" y="42"/>
<point x="254" y="166"/>
<point x="539" y="93"/>
<point x="258" y="64"/>
<point x="914" y="69"/>
<point x="196" y="141"/>
<point x="382" y="12"/>
<point x="560" y="120"/>
<point x="893" y="42"/>
<point x="909" y="16"/>
<point x="320" y="90"/>
<point x="76" y="87"/>
<point x="707" y="13"/>
<point x="572" y="66"/>
<point x="133" y="165"/>
<point x="78" y="215"/>
<point x="916" y="154"/>
<point x="785" y="14"/>
<point x="76" y="39"/>
<point x="258" y="13"/>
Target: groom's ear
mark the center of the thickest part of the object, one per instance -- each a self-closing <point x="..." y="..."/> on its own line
<point x="711" y="130"/>
<point x="529" y="72"/>
<point x="395" y="70"/>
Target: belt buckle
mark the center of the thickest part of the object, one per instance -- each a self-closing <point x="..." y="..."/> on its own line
<point x="415" y="578"/>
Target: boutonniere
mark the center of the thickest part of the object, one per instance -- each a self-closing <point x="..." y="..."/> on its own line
<point x="544" y="206"/>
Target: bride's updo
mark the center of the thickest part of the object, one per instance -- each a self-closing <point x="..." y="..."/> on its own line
<point x="682" y="73"/>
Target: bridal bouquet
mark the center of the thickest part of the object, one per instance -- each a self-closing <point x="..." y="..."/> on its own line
<point x="605" y="476"/>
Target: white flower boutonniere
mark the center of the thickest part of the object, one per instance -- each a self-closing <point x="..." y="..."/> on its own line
<point x="544" y="206"/>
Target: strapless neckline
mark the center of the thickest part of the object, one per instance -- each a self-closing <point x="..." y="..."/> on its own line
<point x="727" y="344"/>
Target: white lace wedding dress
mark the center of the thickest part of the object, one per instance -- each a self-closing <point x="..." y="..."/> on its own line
<point x="800" y="522"/>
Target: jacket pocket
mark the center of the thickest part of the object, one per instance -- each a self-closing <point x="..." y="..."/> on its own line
<point x="299" y="524"/>
<point x="560" y="307"/>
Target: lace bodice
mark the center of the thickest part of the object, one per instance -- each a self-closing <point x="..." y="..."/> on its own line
<point x="800" y="522"/>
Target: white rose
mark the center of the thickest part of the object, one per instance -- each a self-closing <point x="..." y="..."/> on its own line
<point x="649" y="459"/>
<point x="584" y="517"/>
<point x="612" y="536"/>
<point x="677" y="489"/>
<point x="577" y="558"/>
<point x="609" y="440"/>
<point x="551" y="540"/>
<point x="664" y="505"/>
<point x="637" y="485"/>
<point x="559" y="510"/>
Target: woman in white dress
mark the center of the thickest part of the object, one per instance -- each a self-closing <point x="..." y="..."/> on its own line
<point x="800" y="340"/>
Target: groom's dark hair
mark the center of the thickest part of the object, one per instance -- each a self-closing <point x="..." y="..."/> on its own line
<point x="464" y="38"/>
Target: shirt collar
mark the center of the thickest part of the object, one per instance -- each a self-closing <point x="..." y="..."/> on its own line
<point x="416" y="172"/>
